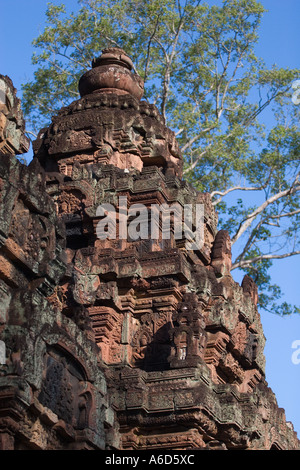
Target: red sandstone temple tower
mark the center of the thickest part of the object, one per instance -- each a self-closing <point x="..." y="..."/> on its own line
<point x="117" y="342"/>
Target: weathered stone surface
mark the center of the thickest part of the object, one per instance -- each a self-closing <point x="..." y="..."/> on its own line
<point x="53" y="394"/>
<point x="111" y="73"/>
<point x="12" y="126"/>
<point x="119" y="342"/>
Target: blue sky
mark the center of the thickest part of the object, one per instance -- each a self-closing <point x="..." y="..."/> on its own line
<point x="23" y="20"/>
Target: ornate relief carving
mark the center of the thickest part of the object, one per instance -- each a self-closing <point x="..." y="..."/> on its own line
<point x="166" y="335"/>
<point x="63" y="389"/>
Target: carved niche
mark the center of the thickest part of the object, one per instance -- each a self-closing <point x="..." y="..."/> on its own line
<point x="64" y="388"/>
<point x="188" y="334"/>
<point x="151" y="340"/>
<point x="70" y="202"/>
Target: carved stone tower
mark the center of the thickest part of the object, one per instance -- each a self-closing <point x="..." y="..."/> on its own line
<point x="149" y="344"/>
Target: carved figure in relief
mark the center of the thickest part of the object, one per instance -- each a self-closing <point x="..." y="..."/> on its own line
<point x="140" y="349"/>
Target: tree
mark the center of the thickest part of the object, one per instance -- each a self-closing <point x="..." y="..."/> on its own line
<point x="200" y="69"/>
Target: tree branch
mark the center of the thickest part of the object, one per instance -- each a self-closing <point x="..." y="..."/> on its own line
<point x="285" y="214"/>
<point x="248" y="262"/>
<point x="167" y="75"/>
<point x="196" y="137"/>
<point x="235" y="188"/>
<point x="248" y="221"/>
<point x="148" y="50"/>
<point x="191" y="167"/>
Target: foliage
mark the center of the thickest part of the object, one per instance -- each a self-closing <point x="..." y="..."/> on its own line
<point x="200" y="69"/>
